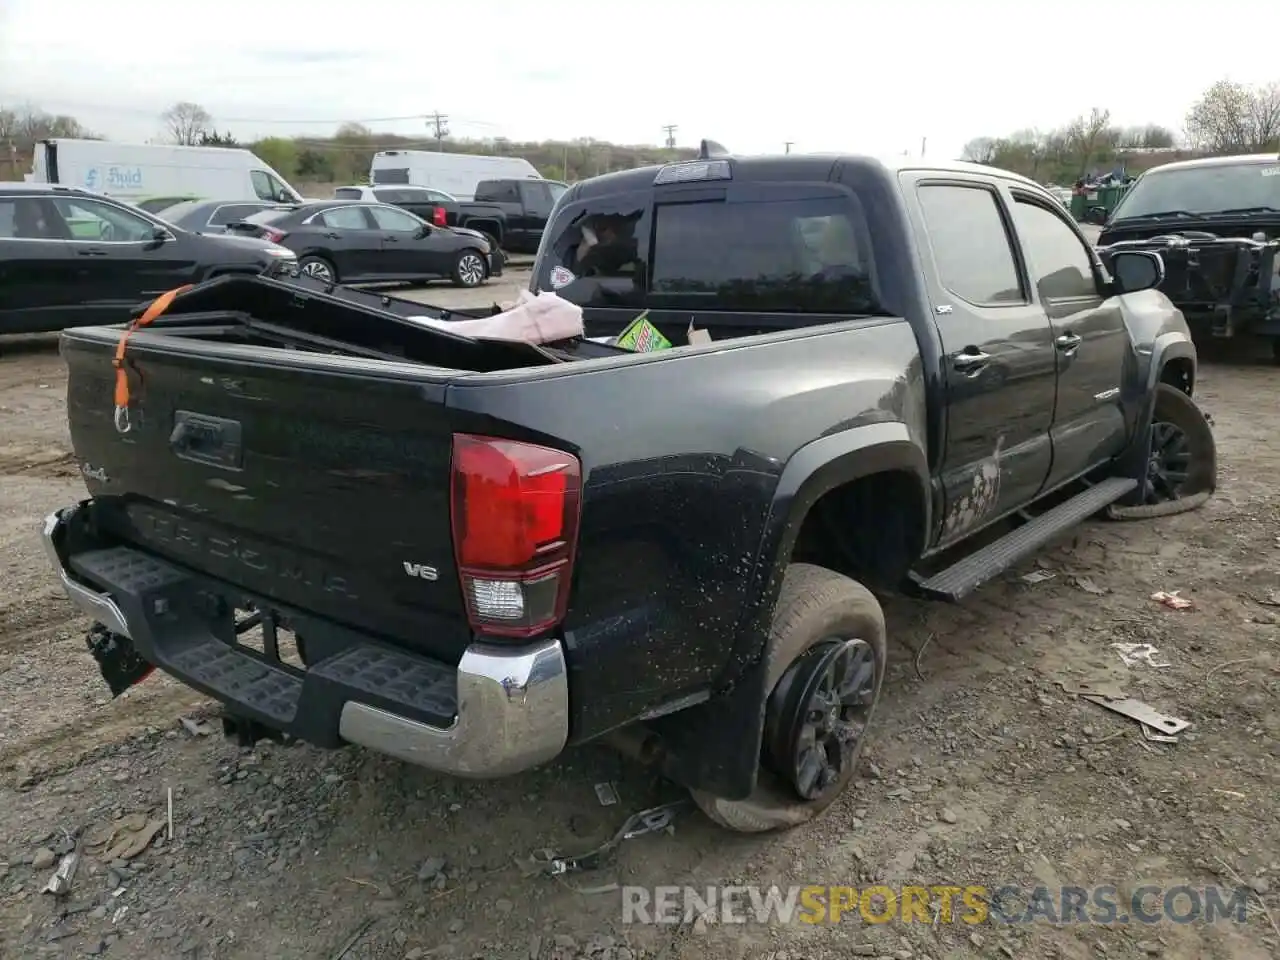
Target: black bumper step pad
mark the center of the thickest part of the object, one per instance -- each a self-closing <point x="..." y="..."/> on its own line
<point x="185" y="624"/>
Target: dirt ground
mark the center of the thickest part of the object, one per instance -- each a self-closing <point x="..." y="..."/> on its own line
<point x="984" y="771"/>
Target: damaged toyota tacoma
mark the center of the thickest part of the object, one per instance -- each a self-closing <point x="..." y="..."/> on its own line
<point x="350" y="528"/>
<point x="1216" y="224"/>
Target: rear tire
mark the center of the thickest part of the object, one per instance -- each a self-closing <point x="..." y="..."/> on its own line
<point x="821" y="618"/>
<point x="470" y="269"/>
<point x="318" y="268"/>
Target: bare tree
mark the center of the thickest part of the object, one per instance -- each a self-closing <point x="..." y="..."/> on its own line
<point x="1084" y="135"/>
<point x="187" y="122"/>
<point x="1264" y="115"/>
<point x="1231" y="117"/>
<point x="979" y="150"/>
<point x="353" y="132"/>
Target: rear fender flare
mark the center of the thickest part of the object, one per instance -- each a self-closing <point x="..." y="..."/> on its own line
<point x="814" y="470"/>
<point x="719" y="740"/>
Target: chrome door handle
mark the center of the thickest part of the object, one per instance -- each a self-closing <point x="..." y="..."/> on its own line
<point x="1068" y="341"/>
<point x="968" y="362"/>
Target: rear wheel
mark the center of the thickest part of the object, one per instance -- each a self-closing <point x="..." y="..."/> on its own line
<point x="318" y="268"/>
<point x="469" y="269"/>
<point x="826" y="667"/>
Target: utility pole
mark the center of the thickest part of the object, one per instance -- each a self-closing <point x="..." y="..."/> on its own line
<point x="440" y="122"/>
<point x="788" y="145"/>
<point x="923" y="141"/>
<point x="671" y="129"/>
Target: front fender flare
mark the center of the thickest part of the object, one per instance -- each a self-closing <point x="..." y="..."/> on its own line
<point x="1173" y="345"/>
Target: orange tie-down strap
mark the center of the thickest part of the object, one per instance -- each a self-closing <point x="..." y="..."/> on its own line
<point x="154" y="309"/>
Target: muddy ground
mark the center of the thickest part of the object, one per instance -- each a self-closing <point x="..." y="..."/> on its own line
<point x="985" y="771"/>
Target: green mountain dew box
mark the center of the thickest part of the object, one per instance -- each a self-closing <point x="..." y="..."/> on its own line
<point x="641" y="336"/>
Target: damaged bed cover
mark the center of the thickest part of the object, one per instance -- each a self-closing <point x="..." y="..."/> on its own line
<point x="308" y="315"/>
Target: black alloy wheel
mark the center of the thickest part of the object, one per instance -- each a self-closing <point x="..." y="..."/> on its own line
<point x="817" y="714"/>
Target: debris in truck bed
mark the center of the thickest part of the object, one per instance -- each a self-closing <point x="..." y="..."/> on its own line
<point x="534" y="318"/>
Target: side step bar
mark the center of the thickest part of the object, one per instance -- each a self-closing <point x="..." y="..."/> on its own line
<point x="962" y="578"/>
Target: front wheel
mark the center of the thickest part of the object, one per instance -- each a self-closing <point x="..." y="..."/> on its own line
<point x="825" y="670"/>
<point x="469" y="269"/>
<point x="1182" y="460"/>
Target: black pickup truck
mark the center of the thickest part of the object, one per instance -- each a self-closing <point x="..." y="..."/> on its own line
<point x="512" y="213"/>
<point x="1216" y="224"/>
<point x="484" y="552"/>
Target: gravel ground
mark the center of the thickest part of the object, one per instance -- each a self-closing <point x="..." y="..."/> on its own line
<point x="984" y="771"/>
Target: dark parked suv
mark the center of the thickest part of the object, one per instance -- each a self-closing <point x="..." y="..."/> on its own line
<point x="71" y="258"/>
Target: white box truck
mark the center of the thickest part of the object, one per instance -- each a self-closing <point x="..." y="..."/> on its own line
<point x="454" y="173"/>
<point x="138" y="172"/>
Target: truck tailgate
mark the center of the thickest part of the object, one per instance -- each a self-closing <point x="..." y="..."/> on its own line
<point x="317" y="483"/>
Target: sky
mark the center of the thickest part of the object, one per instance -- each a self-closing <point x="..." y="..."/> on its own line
<point x="827" y="76"/>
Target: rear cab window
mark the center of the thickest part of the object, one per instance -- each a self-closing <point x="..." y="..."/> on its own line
<point x="774" y="251"/>
<point x="348" y="193"/>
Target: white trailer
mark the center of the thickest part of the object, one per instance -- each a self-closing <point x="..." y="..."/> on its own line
<point x="454" y="173"/>
<point x="138" y="171"/>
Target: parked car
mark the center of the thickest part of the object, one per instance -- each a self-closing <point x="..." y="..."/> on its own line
<point x="352" y="241"/>
<point x="420" y="201"/>
<point x="212" y="216"/>
<point x="511" y="213"/>
<point x="488" y="550"/>
<point x="71" y="257"/>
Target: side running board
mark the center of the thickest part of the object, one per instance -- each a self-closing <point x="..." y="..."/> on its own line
<point x="963" y="577"/>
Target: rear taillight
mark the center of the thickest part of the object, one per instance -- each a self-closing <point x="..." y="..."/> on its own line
<point x="438" y="217"/>
<point x="515" y="509"/>
<point x="272" y="234"/>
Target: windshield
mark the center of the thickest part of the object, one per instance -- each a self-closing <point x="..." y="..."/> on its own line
<point x="1203" y="190"/>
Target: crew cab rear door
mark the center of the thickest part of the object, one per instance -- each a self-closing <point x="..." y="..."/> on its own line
<point x="1089" y="337"/>
<point x="999" y="360"/>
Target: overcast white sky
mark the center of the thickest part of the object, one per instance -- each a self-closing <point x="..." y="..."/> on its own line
<point x="828" y="75"/>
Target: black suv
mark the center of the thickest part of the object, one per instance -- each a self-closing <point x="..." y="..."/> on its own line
<point x="70" y="258"/>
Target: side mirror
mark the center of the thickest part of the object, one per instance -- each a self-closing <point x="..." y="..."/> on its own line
<point x="1134" y="270"/>
<point x="423" y="231"/>
<point x="1096" y="215"/>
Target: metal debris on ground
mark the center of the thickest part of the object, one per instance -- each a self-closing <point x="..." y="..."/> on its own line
<point x="1139" y="653"/>
<point x="606" y="794"/>
<point x="197" y="728"/>
<point x="1143" y="713"/>
<point x="653" y="820"/>
<point x="1038" y="576"/>
<point x="1088" y="586"/>
<point x="1170" y="599"/>
<point x="60" y="883"/>
<point x="1084" y="688"/>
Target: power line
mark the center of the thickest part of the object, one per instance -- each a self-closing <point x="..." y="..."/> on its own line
<point x="671" y="129"/>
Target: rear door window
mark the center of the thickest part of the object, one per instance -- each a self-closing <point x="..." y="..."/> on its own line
<point x="346" y="218"/>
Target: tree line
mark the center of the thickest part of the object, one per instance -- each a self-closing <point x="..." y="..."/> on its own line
<point x="342" y="158"/>
<point x="1228" y="118"/>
